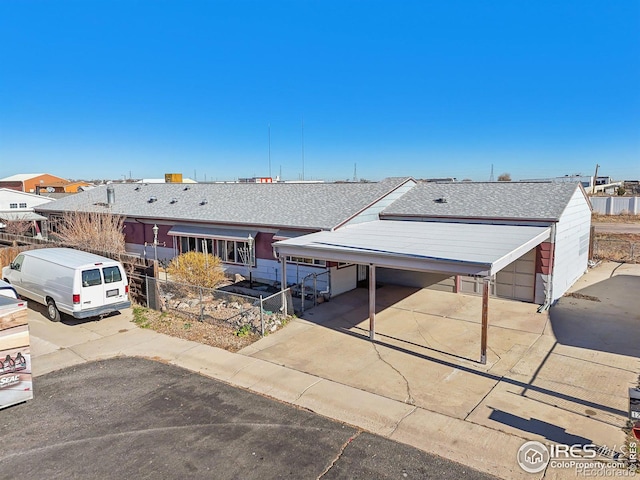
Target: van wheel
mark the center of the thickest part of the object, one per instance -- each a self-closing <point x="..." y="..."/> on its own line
<point x="52" y="311"/>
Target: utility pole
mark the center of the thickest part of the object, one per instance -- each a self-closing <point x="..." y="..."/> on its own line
<point x="491" y="177"/>
<point x="595" y="178"/>
<point x="269" y="127"/>
<point x="303" y="149"/>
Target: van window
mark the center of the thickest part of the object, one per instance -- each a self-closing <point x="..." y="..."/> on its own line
<point x="17" y="263"/>
<point x="112" y="274"/>
<point x="91" y="278"/>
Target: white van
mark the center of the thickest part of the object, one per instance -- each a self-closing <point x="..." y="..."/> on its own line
<point x="70" y="281"/>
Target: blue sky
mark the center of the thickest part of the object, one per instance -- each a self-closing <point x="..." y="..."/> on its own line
<point x="105" y="89"/>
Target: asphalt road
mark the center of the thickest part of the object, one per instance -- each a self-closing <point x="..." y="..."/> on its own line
<point x="617" y="227"/>
<point x="137" y="419"/>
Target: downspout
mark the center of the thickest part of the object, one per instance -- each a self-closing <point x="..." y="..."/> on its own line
<point x="548" y="301"/>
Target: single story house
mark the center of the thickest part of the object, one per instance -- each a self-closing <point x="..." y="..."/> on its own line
<point x="17" y="206"/>
<point x="457" y="228"/>
<point x="224" y="219"/>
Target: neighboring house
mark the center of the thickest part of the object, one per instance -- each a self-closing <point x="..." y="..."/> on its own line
<point x="18" y="206"/>
<point x="27" y="182"/>
<point x="220" y="218"/>
<point x="62" y="187"/>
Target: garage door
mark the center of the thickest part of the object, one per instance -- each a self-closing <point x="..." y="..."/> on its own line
<point x="515" y="281"/>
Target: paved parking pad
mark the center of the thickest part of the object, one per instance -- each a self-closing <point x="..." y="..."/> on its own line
<point x="135" y="418"/>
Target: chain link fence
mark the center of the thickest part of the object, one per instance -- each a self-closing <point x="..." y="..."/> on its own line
<point x="616" y="250"/>
<point x="260" y="315"/>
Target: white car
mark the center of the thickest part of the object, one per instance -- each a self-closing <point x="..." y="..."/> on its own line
<point x="6" y="290"/>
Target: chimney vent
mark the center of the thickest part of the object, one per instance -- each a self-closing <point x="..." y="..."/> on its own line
<point x="111" y="195"/>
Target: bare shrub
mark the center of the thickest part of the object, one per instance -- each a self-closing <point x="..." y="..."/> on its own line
<point x="91" y="231"/>
<point x="197" y="268"/>
<point x="17" y="227"/>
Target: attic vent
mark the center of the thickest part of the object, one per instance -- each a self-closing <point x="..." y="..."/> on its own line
<point x="204" y="201"/>
<point x="440" y="200"/>
<point x="174" y="200"/>
<point x="186" y="188"/>
<point x="153" y="199"/>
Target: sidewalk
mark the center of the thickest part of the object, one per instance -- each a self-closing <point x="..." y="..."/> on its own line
<point x="472" y="439"/>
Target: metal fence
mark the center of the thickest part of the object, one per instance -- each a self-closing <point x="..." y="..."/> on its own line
<point x="612" y="205"/>
<point x="616" y="250"/>
<point x="306" y="294"/>
<point x="261" y="315"/>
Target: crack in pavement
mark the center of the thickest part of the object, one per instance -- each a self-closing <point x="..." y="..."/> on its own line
<point x="342" y="449"/>
<point x="305" y="390"/>
<point x="400" y="421"/>
<point x="409" y="400"/>
<point x="435" y="342"/>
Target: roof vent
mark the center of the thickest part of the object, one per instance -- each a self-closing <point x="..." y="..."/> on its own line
<point x="174" y="200"/>
<point x="111" y="195"/>
<point x="153" y="199"/>
<point x="186" y="188"/>
<point x="137" y="188"/>
<point x="204" y="201"/>
<point x="440" y="200"/>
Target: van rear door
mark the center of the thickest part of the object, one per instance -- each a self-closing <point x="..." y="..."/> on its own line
<point x="92" y="293"/>
<point x="102" y="286"/>
<point x="114" y="284"/>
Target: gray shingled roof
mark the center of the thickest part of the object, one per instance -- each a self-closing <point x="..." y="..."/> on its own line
<point x="501" y="200"/>
<point x="298" y="205"/>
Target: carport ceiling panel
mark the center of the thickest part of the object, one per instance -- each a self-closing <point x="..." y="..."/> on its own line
<point x="481" y="248"/>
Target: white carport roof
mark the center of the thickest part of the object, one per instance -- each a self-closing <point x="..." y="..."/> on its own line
<point x="26" y="216"/>
<point x="447" y="247"/>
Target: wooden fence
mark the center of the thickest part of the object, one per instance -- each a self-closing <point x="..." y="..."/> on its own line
<point x="138" y="269"/>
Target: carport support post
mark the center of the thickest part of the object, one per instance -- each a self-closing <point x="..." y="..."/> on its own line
<point x="485" y="319"/>
<point x="372" y="302"/>
<point x="283" y="284"/>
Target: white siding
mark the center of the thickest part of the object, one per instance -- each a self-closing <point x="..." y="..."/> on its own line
<point x="371" y="213"/>
<point x="571" y="244"/>
<point x="343" y="279"/>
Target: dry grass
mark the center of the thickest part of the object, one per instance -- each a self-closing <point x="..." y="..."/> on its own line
<point x="617" y="247"/>
<point x="216" y="334"/>
<point x="622" y="218"/>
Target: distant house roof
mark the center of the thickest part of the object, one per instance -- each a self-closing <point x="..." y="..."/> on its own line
<point x="21" y="177"/>
<point x="491" y="200"/>
<point x="318" y="206"/>
<point x="14" y="194"/>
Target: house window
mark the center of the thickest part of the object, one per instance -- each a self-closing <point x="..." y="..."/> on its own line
<point x="13" y="205"/>
<point x="307" y="261"/>
<point x="229" y="251"/>
<point x="23" y="205"/>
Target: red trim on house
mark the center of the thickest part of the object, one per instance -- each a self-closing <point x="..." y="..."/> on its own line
<point x="544" y="258"/>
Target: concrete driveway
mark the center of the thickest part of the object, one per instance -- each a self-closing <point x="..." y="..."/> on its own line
<point x="559" y="377"/>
